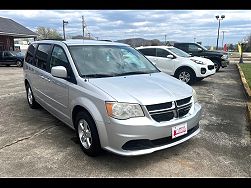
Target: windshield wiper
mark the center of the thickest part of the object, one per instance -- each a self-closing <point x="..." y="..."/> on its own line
<point x="133" y="72"/>
<point x="97" y="75"/>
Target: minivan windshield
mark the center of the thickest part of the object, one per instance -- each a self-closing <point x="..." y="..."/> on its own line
<point x="179" y="52"/>
<point x="108" y="60"/>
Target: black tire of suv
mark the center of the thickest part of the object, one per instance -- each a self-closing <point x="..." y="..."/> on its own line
<point x="217" y="65"/>
<point x="19" y="63"/>
<point x="95" y="147"/>
<point x="190" y="72"/>
<point x="33" y="104"/>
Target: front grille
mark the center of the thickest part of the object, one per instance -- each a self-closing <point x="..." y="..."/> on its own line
<point x="210" y="67"/>
<point x="183" y="101"/>
<point x="168" y="111"/>
<point x="133" y="145"/>
<point x="159" y="106"/>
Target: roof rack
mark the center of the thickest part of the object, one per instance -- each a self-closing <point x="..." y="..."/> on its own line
<point x="52" y="39"/>
<point x="105" y="40"/>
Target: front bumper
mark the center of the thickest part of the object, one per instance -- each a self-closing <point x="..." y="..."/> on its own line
<point x="120" y="132"/>
<point x="207" y="73"/>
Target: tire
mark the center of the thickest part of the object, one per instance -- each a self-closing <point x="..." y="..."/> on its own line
<point x="7" y="65"/>
<point x="87" y="134"/>
<point x="19" y="63"/>
<point x="186" y="75"/>
<point x="30" y="97"/>
<point x="216" y="65"/>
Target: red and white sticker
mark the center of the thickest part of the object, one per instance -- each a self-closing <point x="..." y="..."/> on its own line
<point x="179" y="130"/>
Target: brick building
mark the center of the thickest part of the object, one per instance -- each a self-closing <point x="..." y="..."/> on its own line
<point x="9" y="30"/>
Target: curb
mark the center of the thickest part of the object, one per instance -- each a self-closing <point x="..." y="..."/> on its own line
<point x="249" y="111"/>
<point x="247" y="91"/>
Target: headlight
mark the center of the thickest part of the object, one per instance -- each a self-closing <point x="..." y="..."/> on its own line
<point x="195" y="96"/>
<point x="224" y="57"/>
<point x="198" y="62"/>
<point x="123" y="110"/>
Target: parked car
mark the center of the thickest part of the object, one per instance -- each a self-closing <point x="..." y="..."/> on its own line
<point x="113" y="96"/>
<point x="220" y="59"/>
<point x="178" y="63"/>
<point x="11" y="58"/>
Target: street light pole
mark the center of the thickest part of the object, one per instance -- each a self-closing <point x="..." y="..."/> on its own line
<point x="219" y="18"/>
<point x="223" y="38"/>
<point x="64" y="22"/>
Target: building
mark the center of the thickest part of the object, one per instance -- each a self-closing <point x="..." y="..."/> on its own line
<point x="9" y="30"/>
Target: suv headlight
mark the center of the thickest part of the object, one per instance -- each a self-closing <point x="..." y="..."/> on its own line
<point x="198" y="62"/>
<point x="195" y="96"/>
<point x="224" y="57"/>
<point x="122" y="111"/>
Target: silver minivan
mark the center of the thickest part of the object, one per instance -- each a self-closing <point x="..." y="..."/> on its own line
<point x="113" y="96"/>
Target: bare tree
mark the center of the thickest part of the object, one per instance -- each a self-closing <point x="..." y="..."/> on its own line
<point x="47" y="33"/>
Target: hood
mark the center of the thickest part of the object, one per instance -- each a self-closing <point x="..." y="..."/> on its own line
<point x="144" y="89"/>
<point x="204" y="60"/>
<point x="215" y="53"/>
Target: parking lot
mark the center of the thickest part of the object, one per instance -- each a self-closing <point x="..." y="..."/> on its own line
<point x="35" y="144"/>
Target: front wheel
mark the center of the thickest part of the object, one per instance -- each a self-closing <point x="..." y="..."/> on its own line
<point x="87" y="134"/>
<point x="186" y="75"/>
<point x="19" y="63"/>
<point x="217" y="66"/>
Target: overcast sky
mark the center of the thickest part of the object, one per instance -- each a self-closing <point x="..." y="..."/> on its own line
<point x="177" y="25"/>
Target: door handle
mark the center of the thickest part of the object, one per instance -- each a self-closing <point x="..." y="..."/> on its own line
<point x="41" y="76"/>
<point x="44" y="78"/>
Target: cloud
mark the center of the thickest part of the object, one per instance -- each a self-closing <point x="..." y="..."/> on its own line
<point x="180" y="25"/>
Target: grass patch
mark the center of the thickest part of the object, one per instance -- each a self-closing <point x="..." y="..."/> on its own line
<point x="246" y="69"/>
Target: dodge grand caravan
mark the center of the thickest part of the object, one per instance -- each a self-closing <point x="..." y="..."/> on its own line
<point x="113" y="96"/>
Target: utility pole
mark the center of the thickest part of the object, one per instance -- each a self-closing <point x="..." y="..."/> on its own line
<point x="83" y="25"/>
<point x="194" y="39"/>
<point x="165" y="39"/>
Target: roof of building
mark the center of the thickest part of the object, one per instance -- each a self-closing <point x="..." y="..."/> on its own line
<point x="11" y="28"/>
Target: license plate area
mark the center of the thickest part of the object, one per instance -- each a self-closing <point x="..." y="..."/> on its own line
<point x="179" y="130"/>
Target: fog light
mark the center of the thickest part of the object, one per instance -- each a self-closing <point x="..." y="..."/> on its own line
<point x="203" y="70"/>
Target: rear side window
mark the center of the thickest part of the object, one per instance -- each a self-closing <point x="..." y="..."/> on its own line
<point x="42" y="56"/>
<point x="30" y="54"/>
<point x="162" y="52"/>
<point x="148" y="51"/>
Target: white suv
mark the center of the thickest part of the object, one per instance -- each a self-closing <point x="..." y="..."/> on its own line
<point x="178" y="63"/>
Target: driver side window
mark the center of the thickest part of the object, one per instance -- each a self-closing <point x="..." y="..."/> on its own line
<point x="162" y="53"/>
<point x="58" y="58"/>
<point x="192" y="48"/>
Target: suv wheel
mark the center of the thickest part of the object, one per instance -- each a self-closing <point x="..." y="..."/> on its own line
<point x="87" y="134"/>
<point x="30" y="98"/>
<point x="186" y="75"/>
<point x="217" y="65"/>
<point x="19" y="63"/>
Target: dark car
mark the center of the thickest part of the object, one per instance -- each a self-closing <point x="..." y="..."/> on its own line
<point x="11" y="58"/>
<point x="220" y="59"/>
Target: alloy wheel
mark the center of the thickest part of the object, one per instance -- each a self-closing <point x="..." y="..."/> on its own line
<point x="84" y="133"/>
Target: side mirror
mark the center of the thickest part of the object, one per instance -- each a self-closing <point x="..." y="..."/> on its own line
<point x="200" y="50"/>
<point x="59" y="71"/>
<point x="170" y="56"/>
